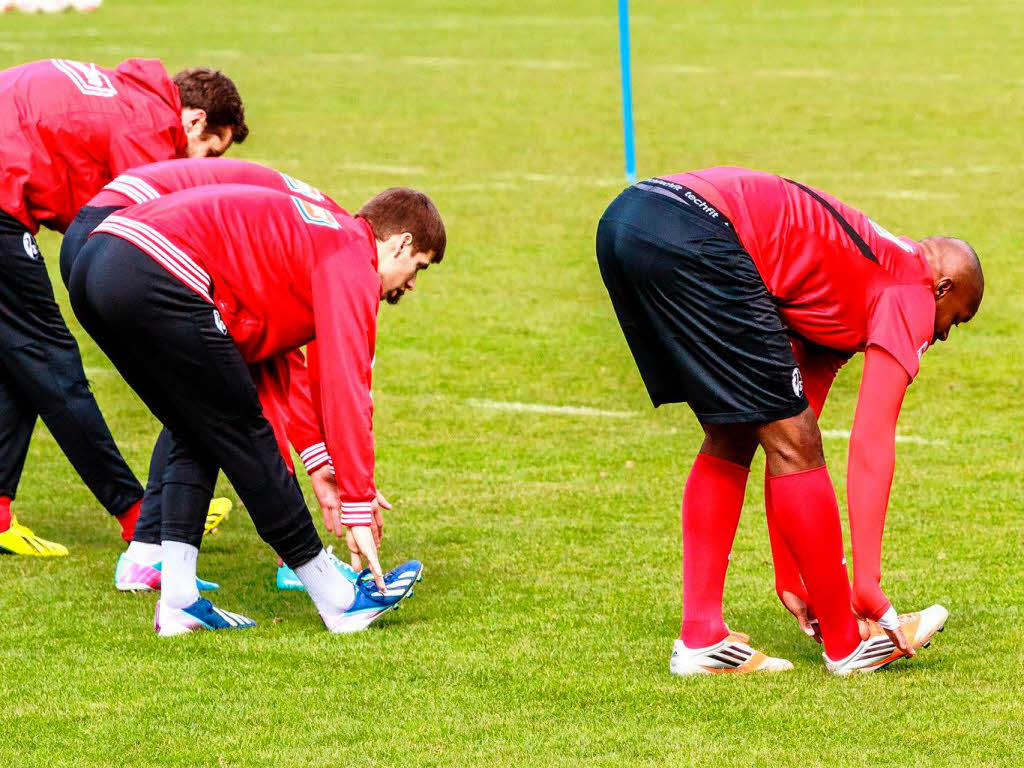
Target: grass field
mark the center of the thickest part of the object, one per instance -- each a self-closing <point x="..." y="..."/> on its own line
<point x="551" y="540"/>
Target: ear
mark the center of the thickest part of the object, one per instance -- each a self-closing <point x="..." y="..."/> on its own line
<point x="193" y="118"/>
<point x="943" y="287"/>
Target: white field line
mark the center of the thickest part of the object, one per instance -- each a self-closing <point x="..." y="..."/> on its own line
<point x="878" y="13"/>
<point x="498" y="180"/>
<point x="910" y="194"/>
<point x="844" y="434"/>
<point x="579" y="410"/>
<point x="399" y="170"/>
<point x="697" y="70"/>
<point x="480" y="21"/>
<point x="563" y="410"/>
<point x="510" y="180"/>
<point x="476" y="22"/>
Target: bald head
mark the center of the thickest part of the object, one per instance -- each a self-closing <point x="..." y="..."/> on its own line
<point x="957" y="281"/>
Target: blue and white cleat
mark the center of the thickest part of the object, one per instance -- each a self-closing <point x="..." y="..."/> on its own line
<point x="202" y="614"/>
<point x="370" y="603"/>
<point x="286" y="578"/>
<point x="133" y="576"/>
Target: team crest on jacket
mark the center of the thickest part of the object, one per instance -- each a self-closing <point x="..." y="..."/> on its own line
<point x="798" y="382"/>
<point x="86" y="77"/>
<point x="302" y="188"/>
<point x="29" y="244"/>
<point x="219" y="322"/>
<point x="314" y="214"/>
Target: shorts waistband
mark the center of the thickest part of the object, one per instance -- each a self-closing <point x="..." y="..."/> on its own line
<point x="685" y="197"/>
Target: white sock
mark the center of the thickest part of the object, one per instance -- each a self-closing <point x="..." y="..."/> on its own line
<point x="178" y="575"/>
<point x="147" y="554"/>
<point x="330" y="591"/>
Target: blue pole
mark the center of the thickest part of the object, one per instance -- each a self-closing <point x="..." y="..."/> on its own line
<point x="627" y="92"/>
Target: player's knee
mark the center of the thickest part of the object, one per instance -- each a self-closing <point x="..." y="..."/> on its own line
<point x="792" y="445"/>
<point x="733" y="442"/>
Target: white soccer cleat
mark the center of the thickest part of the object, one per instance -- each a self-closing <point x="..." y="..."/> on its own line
<point x="730" y="656"/>
<point x="201" y="615"/>
<point x="370" y="603"/>
<point x="879" y="651"/>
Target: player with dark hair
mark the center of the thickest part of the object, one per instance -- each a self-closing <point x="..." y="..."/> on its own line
<point x="741" y="293"/>
<point x="183" y="293"/>
<point x="66" y="129"/>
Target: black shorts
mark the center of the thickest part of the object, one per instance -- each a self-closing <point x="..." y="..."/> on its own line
<point x="696" y="314"/>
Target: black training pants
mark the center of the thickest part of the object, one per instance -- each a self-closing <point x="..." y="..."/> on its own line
<point x="41" y="375"/>
<point x="149" y="523"/>
<point x="164" y="340"/>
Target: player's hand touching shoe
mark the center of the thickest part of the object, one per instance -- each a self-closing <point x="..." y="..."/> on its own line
<point x="363" y="540"/>
<point x="804" y="615"/>
<point x="871" y="604"/>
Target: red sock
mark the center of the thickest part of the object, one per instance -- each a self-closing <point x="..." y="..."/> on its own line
<point x="787" y="574"/>
<point x="711" y="510"/>
<point x="127" y="520"/>
<point x="5" y="513"/>
<point x="805" y="509"/>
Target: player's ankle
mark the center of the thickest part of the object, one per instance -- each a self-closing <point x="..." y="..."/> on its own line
<point x="5" y="513"/>
<point x="144" y="552"/>
<point x="701" y="634"/>
<point x="327" y="588"/>
<point x="128" y="518"/>
<point x="178" y="574"/>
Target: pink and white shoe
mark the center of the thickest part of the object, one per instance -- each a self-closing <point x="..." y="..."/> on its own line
<point x="133" y="576"/>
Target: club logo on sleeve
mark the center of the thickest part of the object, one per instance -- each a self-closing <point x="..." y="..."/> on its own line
<point x="314" y="214"/>
<point x="219" y="322"/>
<point x="798" y="382"/>
<point x="302" y="188"/>
<point x="29" y="244"/>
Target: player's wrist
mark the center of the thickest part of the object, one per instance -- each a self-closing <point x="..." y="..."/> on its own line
<point x="869" y="601"/>
<point x="355" y="513"/>
<point x="889" y="619"/>
<point x="314" y="457"/>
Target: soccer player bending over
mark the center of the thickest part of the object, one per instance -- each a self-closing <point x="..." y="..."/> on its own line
<point x="741" y="293"/>
<point x="66" y="129"/>
<point x="184" y="293"/>
<point x="282" y="383"/>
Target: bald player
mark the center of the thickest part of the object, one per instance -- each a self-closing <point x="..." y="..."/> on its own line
<point x="742" y="293"/>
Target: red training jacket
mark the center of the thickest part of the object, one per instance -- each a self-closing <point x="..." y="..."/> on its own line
<point x="148" y="182"/>
<point x="67" y="128"/>
<point x="282" y="383"/>
<point x="827" y="291"/>
<point x="303" y="273"/>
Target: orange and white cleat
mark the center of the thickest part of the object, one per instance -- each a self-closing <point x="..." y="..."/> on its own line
<point x="878" y="651"/>
<point x="730" y="656"/>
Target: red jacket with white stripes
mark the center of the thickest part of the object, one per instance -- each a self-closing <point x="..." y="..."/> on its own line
<point x="148" y="182"/>
<point x="284" y="272"/>
<point x="67" y="128"/>
<point x="282" y="383"/>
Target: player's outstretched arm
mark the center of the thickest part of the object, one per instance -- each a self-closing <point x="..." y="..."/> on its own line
<point x="869" y="480"/>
